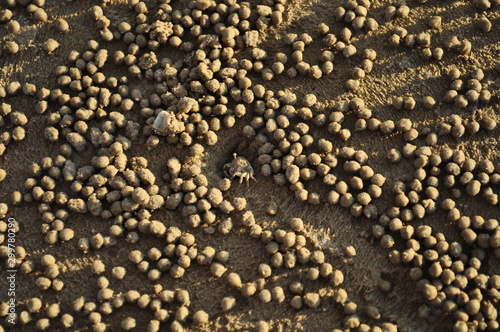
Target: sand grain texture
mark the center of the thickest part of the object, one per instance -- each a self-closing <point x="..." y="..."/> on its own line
<point x="390" y="163"/>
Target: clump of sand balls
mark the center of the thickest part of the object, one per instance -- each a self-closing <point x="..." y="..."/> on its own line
<point x="133" y="116"/>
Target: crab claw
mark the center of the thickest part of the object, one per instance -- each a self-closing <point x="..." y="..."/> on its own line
<point x="225" y="169"/>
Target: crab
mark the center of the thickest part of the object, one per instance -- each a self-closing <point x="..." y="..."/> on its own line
<point x="239" y="167"/>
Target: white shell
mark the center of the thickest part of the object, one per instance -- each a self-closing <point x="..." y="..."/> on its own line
<point x="167" y="124"/>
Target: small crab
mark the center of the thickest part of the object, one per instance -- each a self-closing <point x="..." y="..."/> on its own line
<point x="239" y="167"/>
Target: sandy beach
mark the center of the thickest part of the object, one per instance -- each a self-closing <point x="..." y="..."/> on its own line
<point x="263" y="165"/>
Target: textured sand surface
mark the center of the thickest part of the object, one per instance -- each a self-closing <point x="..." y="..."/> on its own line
<point x="440" y="161"/>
